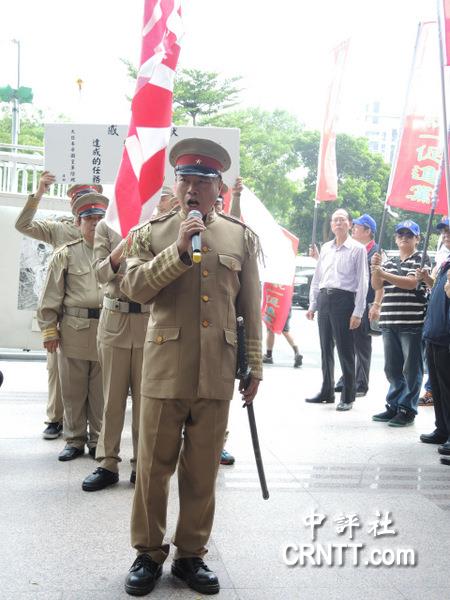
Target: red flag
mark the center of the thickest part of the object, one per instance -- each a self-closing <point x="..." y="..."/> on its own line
<point x="326" y="188"/>
<point x="419" y="152"/>
<point x="141" y="172"/>
<point x="446" y="6"/>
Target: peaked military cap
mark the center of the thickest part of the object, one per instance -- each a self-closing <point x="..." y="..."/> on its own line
<point x="194" y="156"/>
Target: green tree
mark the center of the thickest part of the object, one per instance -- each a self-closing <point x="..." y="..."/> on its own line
<point x="268" y="154"/>
<point x="31" y="126"/>
<point x="199" y="95"/>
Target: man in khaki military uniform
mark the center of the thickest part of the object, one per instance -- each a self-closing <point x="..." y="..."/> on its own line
<point x="68" y="317"/>
<point x="189" y="361"/>
<point x="56" y="233"/>
<point x="121" y="334"/>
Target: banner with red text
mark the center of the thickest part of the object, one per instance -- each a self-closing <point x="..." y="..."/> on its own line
<point x="419" y="152"/>
<point x="277" y="299"/>
<point x="446" y="28"/>
<point x="326" y="188"/>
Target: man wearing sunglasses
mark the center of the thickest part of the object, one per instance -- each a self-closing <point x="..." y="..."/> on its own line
<point x="401" y="320"/>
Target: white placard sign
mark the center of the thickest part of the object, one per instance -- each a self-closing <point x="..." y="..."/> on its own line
<point x="85" y="153"/>
<point x="227" y="137"/>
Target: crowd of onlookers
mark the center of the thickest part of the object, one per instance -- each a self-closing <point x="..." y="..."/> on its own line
<point x="359" y="292"/>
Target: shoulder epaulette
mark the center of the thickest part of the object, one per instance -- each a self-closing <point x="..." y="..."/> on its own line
<point x="164" y="216"/>
<point x="251" y="238"/>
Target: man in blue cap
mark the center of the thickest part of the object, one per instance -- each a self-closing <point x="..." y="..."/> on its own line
<point x="363" y="231"/>
<point x="401" y="320"/>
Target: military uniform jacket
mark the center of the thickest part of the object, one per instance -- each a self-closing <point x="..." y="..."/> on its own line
<point x="122" y="330"/>
<point x="71" y="282"/>
<point x="190" y="347"/>
<point x="51" y="231"/>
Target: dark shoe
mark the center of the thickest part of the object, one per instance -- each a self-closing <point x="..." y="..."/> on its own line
<point x="361" y="392"/>
<point x="268" y="360"/>
<point x="226" y="458"/>
<point x="70" y="452"/>
<point x="445" y="461"/>
<point x="133" y="477"/>
<point x="344" y="406"/>
<point x="92" y="452"/>
<point x="196" y="574"/>
<point x="320" y="398"/>
<point x="339" y="386"/>
<point x="426" y="399"/>
<point x="52" y="431"/>
<point x="433" y="438"/>
<point x="385" y="416"/>
<point x="142" y="576"/>
<point x="298" y="360"/>
<point x="402" y="419"/>
<point x="99" y="479"/>
<point x="445" y="449"/>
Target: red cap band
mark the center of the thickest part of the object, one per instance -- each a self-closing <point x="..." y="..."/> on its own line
<point x="198" y="159"/>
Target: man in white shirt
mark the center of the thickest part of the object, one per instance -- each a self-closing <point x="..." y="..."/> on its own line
<point x="338" y="292"/>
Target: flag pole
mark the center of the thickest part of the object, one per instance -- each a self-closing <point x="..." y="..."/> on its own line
<point x="434" y="200"/>
<point x="314" y="227"/>
<point x="399" y="139"/>
<point x="444" y="102"/>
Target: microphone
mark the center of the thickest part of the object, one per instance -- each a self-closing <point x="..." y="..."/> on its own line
<point x="195" y="240"/>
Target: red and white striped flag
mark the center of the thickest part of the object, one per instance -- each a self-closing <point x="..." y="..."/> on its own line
<point x="141" y="173"/>
<point x="326" y="188"/>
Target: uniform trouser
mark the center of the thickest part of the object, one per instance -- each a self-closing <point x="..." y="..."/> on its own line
<point x="334" y="312"/>
<point x="121" y="370"/>
<point x="438" y="358"/>
<point x="54" y="404"/>
<point x="160" y="440"/>
<point x="82" y="395"/>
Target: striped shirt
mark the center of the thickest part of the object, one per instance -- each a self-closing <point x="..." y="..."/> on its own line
<point x="402" y="307"/>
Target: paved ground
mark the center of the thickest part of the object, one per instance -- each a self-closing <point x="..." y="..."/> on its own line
<point x="57" y="542"/>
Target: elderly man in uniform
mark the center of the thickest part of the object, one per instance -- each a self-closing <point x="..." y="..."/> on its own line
<point x="189" y="361"/>
<point x="68" y="317"/>
<point x="338" y="292"/>
<point x="121" y="335"/>
<point x="55" y="232"/>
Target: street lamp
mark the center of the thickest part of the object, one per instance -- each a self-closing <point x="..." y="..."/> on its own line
<point x="18" y="96"/>
<point x="15" y="123"/>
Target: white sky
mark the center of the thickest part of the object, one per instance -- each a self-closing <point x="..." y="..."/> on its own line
<point x="281" y="48"/>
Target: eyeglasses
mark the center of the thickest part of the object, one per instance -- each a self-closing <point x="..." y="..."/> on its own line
<point x="407" y="234"/>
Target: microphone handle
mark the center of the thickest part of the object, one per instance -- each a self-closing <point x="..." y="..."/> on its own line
<point x="196" y="248"/>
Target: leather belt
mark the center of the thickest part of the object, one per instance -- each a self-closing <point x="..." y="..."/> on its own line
<point x="84" y="313"/>
<point x="125" y="307"/>
<point x="330" y="291"/>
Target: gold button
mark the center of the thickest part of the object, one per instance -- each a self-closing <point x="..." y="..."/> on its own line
<point x="159" y="339"/>
<point x="205" y="273"/>
<point x="205" y="323"/>
<point x="205" y="298"/>
<point x="205" y="248"/>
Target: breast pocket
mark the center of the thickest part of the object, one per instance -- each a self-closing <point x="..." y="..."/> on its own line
<point x="162" y="352"/>
<point x="228" y="274"/>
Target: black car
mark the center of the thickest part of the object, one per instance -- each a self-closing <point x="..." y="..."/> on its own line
<point x="302" y="283"/>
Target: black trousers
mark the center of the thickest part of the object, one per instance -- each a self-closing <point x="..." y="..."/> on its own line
<point x="334" y="312"/>
<point x="438" y="358"/>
